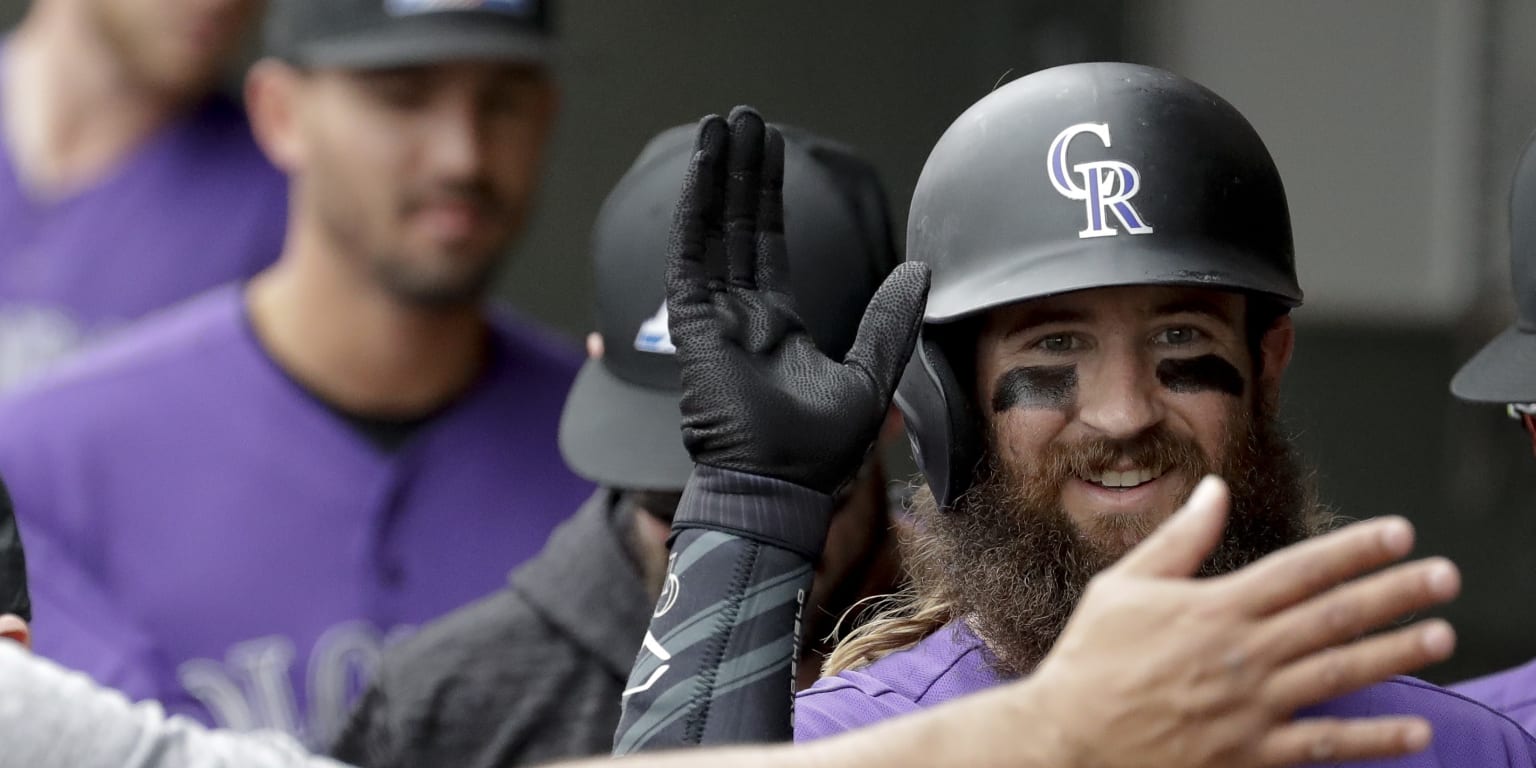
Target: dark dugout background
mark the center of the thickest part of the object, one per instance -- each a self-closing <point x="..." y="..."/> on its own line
<point x="1395" y="124"/>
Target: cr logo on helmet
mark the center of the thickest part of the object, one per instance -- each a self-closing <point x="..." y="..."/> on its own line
<point x="1107" y="184"/>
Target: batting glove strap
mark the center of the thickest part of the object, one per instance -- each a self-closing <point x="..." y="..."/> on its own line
<point x="774" y="512"/>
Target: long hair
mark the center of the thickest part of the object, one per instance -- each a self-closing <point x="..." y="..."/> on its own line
<point x="899" y="620"/>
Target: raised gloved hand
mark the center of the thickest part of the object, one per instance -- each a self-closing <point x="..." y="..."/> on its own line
<point x="758" y="396"/>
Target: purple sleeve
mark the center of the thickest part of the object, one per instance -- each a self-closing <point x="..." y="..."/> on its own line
<point x="1466" y="734"/>
<point x="1512" y="691"/>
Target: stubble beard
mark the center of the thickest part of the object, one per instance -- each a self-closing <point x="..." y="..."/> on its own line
<point x="396" y="274"/>
<point x="417" y="288"/>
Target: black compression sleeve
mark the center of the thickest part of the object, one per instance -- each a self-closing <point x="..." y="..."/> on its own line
<point x="717" y="666"/>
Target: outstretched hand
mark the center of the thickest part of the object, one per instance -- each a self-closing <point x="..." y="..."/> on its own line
<point x="1210" y="672"/>
<point x="758" y="396"/>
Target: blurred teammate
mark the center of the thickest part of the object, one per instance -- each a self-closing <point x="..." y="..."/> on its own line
<point x="1504" y="372"/>
<point x="1112" y="269"/>
<point x="536" y="671"/>
<point x="231" y="507"/>
<point x="127" y="182"/>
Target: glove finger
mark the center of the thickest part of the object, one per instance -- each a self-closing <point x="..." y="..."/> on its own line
<point x="890" y="327"/>
<point x="711" y="152"/>
<point x="772" y="263"/>
<point x="692" y="245"/>
<point x="744" y="161"/>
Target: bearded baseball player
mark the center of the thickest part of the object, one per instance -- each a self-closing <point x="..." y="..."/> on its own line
<point x="1504" y="372"/>
<point x="1112" y="279"/>
<point x="1109" y="323"/>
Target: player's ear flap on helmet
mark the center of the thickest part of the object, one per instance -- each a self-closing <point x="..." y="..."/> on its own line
<point x="937" y="397"/>
<point x="1271" y="339"/>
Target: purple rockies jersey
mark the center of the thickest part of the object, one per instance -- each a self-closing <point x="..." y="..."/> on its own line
<point x="204" y="532"/>
<point x="953" y="662"/>
<point x="196" y="206"/>
<point x="1512" y="692"/>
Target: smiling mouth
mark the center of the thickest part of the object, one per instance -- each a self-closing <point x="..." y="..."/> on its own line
<point x="1124" y="480"/>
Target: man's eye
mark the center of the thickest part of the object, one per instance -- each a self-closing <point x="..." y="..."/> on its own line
<point x="400" y="95"/>
<point x="1060" y="342"/>
<point x="1174" y="337"/>
<point x="507" y="101"/>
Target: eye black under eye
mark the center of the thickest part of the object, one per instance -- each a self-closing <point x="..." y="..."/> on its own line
<point x="1206" y="373"/>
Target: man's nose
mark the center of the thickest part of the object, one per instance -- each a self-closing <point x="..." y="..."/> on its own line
<point x="455" y="140"/>
<point x="1118" y="397"/>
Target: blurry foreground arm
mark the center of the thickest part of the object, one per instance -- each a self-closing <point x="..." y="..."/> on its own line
<point x="1155" y="668"/>
<point x="51" y="717"/>
<point x="774" y="427"/>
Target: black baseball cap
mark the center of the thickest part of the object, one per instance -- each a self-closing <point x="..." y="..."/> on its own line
<point x="621" y="426"/>
<point x="1504" y="371"/>
<point x="376" y="34"/>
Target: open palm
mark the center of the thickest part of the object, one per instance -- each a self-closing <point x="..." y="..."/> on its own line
<point x="758" y="395"/>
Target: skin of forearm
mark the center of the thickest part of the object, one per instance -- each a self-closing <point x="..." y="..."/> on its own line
<point x="841" y="752"/>
<point x="1006" y="727"/>
<point x="967" y="733"/>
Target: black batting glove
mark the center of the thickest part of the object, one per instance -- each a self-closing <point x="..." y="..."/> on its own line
<point x="758" y="396"/>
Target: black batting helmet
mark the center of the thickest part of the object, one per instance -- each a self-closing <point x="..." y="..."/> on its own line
<point x="1081" y="176"/>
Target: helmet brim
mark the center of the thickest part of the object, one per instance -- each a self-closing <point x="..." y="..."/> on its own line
<point x="1104" y="263"/>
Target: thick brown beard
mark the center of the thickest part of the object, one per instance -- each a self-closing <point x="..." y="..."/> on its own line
<point x="1009" y="559"/>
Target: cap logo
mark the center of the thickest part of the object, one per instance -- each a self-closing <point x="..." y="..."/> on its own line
<point x="414" y="7"/>
<point x="1107" y="185"/>
<point x="654" y="336"/>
